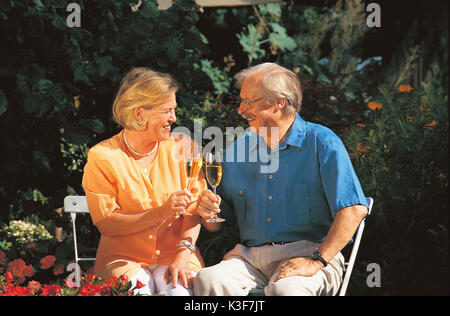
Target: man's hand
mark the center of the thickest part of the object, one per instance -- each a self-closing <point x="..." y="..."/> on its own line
<point x="208" y="204"/>
<point x="300" y="267"/>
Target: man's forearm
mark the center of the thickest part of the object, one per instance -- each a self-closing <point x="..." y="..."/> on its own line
<point x="343" y="228"/>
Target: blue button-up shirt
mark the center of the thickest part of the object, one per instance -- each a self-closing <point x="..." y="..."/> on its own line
<point x="291" y="193"/>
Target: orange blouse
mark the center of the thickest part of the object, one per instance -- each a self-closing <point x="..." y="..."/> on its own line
<point x="114" y="180"/>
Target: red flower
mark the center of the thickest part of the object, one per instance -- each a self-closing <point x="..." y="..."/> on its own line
<point x="28" y="271"/>
<point x="123" y="278"/>
<point x="51" y="290"/>
<point x="17" y="268"/>
<point x="69" y="283"/>
<point x="58" y="269"/>
<point x="139" y="284"/>
<point x="34" y="286"/>
<point x="47" y="262"/>
<point x="8" y="276"/>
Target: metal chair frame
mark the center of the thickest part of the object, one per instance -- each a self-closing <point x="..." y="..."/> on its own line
<point x="75" y="204"/>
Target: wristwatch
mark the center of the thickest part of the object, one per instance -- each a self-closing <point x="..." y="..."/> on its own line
<point x="187" y="244"/>
<point x="317" y="256"/>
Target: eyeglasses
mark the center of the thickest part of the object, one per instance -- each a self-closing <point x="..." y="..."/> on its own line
<point x="248" y="102"/>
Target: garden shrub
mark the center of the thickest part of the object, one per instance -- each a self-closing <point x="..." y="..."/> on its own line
<point x="401" y="157"/>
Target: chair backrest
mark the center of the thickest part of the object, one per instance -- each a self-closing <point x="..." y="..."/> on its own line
<point x="351" y="262"/>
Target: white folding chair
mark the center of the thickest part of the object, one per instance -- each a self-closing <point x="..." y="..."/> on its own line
<point x="74" y="205"/>
<point x="351" y="262"/>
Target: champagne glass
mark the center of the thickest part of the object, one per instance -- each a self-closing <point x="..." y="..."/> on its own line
<point x="214" y="176"/>
<point x="194" y="165"/>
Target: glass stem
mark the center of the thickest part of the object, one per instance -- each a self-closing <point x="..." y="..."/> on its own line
<point x="215" y="215"/>
<point x="189" y="182"/>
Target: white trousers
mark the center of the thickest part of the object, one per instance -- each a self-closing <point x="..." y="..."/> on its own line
<point x="247" y="268"/>
<point x="153" y="280"/>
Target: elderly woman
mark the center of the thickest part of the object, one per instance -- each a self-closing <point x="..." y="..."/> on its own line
<point x="136" y="190"/>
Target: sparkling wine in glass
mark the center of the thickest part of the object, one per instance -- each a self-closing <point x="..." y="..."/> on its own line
<point x="214" y="176"/>
<point x="194" y="165"/>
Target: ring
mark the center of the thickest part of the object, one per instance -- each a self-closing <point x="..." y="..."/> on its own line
<point x="179" y="203"/>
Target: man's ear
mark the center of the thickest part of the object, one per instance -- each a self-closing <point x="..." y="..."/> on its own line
<point x="279" y="105"/>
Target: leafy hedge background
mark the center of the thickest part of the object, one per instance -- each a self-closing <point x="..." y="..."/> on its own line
<point x="57" y="85"/>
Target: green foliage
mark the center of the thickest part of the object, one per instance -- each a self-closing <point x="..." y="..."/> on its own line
<point x="266" y="29"/>
<point x="401" y="158"/>
<point x="58" y="85"/>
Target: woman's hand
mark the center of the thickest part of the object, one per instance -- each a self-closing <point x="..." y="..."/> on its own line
<point x="176" y="204"/>
<point x="208" y="203"/>
<point x="179" y="269"/>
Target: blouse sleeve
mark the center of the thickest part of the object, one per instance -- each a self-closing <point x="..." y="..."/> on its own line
<point x="99" y="186"/>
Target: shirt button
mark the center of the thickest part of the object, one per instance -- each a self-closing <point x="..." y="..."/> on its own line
<point x="145" y="169"/>
<point x="268" y="219"/>
<point x="270" y="176"/>
<point x="270" y="197"/>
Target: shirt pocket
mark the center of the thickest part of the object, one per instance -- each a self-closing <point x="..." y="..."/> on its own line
<point x="300" y="205"/>
<point x="242" y="196"/>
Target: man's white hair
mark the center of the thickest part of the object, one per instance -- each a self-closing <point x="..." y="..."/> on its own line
<point x="277" y="83"/>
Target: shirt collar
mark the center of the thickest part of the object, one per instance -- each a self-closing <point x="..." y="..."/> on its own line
<point x="295" y="136"/>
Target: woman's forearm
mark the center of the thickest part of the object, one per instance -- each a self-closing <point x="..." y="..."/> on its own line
<point x="124" y="223"/>
<point x="191" y="228"/>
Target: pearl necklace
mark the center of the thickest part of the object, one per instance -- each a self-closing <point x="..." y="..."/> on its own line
<point x="135" y="152"/>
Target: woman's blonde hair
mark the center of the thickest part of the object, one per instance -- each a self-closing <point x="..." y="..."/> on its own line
<point x="277" y="82"/>
<point x="141" y="87"/>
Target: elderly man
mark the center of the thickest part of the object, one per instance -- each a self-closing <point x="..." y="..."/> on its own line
<point x="295" y="215"/>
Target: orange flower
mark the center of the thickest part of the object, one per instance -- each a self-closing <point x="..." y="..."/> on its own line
<point x="3" y="258"/>
<point x="28" y="271"/>
<point x="17" y="268"/>
<point x="362" y="149"/>
<point x="405" y="88"/>
<point x="431" y="125"/>
<point x="423" y="108"/>
<point x="375" y="106"/>
<point x="47" y="261"/>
